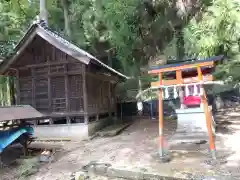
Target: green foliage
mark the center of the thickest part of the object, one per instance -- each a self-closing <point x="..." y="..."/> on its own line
<point x="136" y="31"/>
<point x="27" y="168"/>
<point x="5" y="93"/>
<point x="217" y="32"/>
<point x="10" y="24"/>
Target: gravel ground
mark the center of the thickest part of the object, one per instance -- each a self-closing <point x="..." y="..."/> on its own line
<point x="136" y="148"/>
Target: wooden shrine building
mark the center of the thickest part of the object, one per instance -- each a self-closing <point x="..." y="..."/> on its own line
<point x="59" y="79"/>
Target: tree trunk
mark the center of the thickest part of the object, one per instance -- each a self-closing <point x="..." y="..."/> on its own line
<point x="140" y="111"/>
<point x="110" y="58"/>
<point x="12" y="91"/>
<point x="65" y="5"/>
<point x="43" y="11"/>
<point x="180" y="43"/>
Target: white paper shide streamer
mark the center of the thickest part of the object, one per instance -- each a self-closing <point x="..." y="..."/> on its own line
<point x="201" y="90"/>
<point x="175" y="92"/>
<point x="195" y="90"/>
<point x="166" y="93"/>
<point x="187" y="90"/>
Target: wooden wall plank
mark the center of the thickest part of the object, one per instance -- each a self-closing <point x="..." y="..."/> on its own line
<point x="85" y="95"/>
<point x="110" y="100"/>
<point x="66" y="89"/>
<point x="17" y="88"/>
<point x="115" y="99"/>
<point x="33" y="87"/>
<point x="49" y="91"/>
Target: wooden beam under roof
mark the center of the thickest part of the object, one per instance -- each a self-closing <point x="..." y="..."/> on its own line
<point x="207" y="62"/>
<point x="185" y="66"/>
<point x="185" y="81"/>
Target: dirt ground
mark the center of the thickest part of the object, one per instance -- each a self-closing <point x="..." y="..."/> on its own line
<point x="136" y="148"/>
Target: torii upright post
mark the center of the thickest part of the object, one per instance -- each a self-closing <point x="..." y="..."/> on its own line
<point x="160" y="110"/>
<point x="207" y="114"/>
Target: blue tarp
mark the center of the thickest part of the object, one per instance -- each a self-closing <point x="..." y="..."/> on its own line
<point x="9" y="136"/>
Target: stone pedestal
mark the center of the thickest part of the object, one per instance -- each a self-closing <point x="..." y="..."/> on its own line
<point x="191" y="126"/>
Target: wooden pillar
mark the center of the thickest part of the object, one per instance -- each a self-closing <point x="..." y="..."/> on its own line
<point x="33" y="87"/>
<point x="98" y="100"/>
<point x="115" y="102"/>
<point x="85" y="97"/>
<point x="200" y="79"/>
<point x="49" y="90"/>
<point x="66" y="82"/>
<point x="24" y="143"/>
<point x="160" y="109"/>
<point x="17" y="89"/>
<point x="181" y="91"/>
<point x="1" y="93"/>
<point x="12" y="86"/>
<point x="207" y="116"/>
<point x="110" y="100"/>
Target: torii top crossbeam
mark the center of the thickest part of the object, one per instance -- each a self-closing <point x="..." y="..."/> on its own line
<point x="184" y="72"/>
<point x="179" y="74"/>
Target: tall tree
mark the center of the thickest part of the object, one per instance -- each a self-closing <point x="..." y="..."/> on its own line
<point x="65" y="4"/>
<point x="43" y="11"/>
<point x="217" y="32"/>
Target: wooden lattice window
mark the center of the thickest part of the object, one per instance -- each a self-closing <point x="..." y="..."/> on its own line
<point x="58" y="94"/>
<point x="93" y="93"/>
<point x="75" y="92"/>
<point x="57" y="68"/>
<point x="75" y="86"/>
<point x="74" y="67"/>
<point x="41" y="71"/>
<point x="58" y="87"/>
<point x="76" y="104"/>
<point x="59" y="104"/>
<point x="105" y="95"/>
<point x="41" y="92"/>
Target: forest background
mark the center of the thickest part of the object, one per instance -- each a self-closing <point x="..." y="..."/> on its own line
<point x="128" y="34"/>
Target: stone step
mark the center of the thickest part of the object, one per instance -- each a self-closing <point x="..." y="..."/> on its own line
<point x="188" y="138"/>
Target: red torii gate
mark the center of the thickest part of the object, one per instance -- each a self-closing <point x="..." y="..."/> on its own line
<point x="200" y="73"/>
